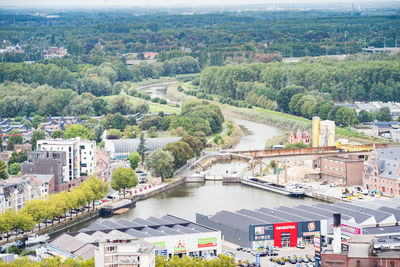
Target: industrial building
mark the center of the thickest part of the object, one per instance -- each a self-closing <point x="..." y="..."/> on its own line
<point x="289" y="226"/>
<point x="120" y="148"/>
<point x="173" y="236"/>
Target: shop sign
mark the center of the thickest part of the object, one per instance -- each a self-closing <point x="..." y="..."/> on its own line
<point x="180" y="246"/>
<point x="311" y="233"/>
<point x="160" y="244"/>
<point x="347" y="229"/>
<point x="317" y="247"/>
<point x="259" y="230"/>
<point x="162" y="253"/>
<point x="207" y="242"/>
<point x="285" y="229"/>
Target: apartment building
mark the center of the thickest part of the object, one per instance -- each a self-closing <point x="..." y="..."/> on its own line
<point x="80" y="156"/>
<point x="347" y="171"/>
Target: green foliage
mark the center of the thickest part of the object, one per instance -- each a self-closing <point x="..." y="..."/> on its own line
<point x="36" y="120"/>
<point x="18" y="157"/>
<point x="37" y="135"/>
<point x="142" y="147"/>
<point x="3" y="172"/>
<point x="384" y="114"/>
<point x="221" y="261"/>
<point x="77" y="130"/>
<point x="14" y="168"/>
<point x="160" y="163"/>
<point x="114" y="134"/>
<point x="14" y="138"/>
<point x="49" y="262"/>
<point x="58" y="134"/>
<point x="365" y="116"/>
<point x="123" y="178"/>
<point x="118" y="122"/>
<point x="297" y="145"/>
<point x="134" y="159"/>
<point x="13" y="250"/>
<point x="131" y="132"/>
<point x="194" y="143"/>
<point x="181" y="152"/>
<point x="346" y="116"/>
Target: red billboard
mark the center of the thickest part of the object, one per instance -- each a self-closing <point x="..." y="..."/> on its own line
<point x="288" y="231"/>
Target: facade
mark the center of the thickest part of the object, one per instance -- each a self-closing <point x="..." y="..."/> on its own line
<point x="103" y="168"/>
<point x="48" y="163"/>
<point x="55" y="52"/>
<point x="344" y="171"/>
<point x="120" y="148"/>
<point x="323" y="132"/>
<point x="382" y="172"/>
<point x="128" y="252"/>
<point x="361" y="253"/>
<point x="389" y="130"/>
<point x="79" y="155"/>
<point x="299" y="136"/>
<point x="16" y="191"/>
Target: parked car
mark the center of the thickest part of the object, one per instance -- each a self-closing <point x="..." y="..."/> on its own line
<point x="248" y="250"/>
<point x="332" y="185"/>
<point x="272" y="253"/>
<point x="239" y="248"/>
<point x="301" y="246"/>
<point x="281" y="262"/>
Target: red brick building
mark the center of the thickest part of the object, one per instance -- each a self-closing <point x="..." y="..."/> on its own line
<point x="382" y="172"/>
<point x="302" y="137"/>
<point x="344" y="171"/>
<point x="361" y="253"/>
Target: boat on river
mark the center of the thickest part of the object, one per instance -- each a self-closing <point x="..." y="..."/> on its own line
<point x="109" y="210"/>
<point x="34" y="239"/>
<point x="291" y="190"/>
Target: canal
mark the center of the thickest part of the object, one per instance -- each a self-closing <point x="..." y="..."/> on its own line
<point x="209" y="197"/>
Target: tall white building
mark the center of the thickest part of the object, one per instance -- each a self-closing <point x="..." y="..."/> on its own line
<point x="80" y="155"/>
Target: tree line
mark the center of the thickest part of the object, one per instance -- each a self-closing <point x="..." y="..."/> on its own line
<point x="53" y="206"/>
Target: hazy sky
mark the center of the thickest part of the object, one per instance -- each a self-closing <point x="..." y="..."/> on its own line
<point x="165" y="2"/>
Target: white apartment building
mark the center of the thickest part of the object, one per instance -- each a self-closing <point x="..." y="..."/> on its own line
<point x="130" y="252"/>
<point x="80" y="155"/>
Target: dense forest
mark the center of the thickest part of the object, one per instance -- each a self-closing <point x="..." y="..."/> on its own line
<point x="289" y="32"/>
<point x="306" y="88"/>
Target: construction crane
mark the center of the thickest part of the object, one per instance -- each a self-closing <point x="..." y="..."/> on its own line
<point x="353" y="147"/>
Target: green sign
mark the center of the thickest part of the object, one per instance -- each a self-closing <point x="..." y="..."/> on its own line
<point x="160" y="244"/>
<point x="207" y="242"/>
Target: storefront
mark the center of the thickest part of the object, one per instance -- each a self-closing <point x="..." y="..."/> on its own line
<point x="287" y="234"/>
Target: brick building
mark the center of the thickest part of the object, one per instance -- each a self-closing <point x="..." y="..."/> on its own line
<point x="299" y="137"/>
<point x="361" y="253"/>
<point x="382" y="172"/>
<point x="344" y="171"/>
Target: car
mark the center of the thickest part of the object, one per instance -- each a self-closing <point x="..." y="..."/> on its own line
<point x="332" y="185"/>
<point x="47" y="221"/>
<point x="239" y="248"/>
<point x="73" y="211"/>
<point x="248" y="250"/>
<point x="272" y="253"/>
<point x="263" y="253"/>
<point x="324" y="183"/>
<point x="293" y="261"/>
<point x="301" y="246"/>
<point x="138" y="171"/>
<point x="275" y="248"/>
<point x="281" y="262"/>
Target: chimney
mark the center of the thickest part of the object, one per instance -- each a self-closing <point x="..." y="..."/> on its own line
<point x="337" y="235"/>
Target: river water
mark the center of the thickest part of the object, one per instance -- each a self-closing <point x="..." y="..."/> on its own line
<point x="210" y="197"/>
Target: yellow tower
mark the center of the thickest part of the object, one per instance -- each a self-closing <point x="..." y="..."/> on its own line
<point x="315" y="131"/>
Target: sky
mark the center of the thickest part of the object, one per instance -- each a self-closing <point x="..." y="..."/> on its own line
<point x="176" y="3"/>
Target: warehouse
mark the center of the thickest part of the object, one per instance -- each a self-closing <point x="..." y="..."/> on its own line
<point x="289" y="226"/>
<point x="120" y="148"/>
<point x="175" y="235"/>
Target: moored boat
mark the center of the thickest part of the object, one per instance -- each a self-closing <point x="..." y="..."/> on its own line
<point x="34" y="239"/>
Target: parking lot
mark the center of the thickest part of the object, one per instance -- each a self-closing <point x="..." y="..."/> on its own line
<point x="265" y="261"/>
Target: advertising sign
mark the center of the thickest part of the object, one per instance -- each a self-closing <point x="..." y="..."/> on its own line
<point x="162" y="252"/>
<point x="352" y="230"/>
<point x="207" y="242"/>
<point x="259" y="230"/>
<point x="285" y="229"/>
<point x="160" y="244"/>
<point x="180" y="246"/>
<point x="317" y="246"/>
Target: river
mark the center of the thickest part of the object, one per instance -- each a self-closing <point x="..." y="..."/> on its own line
<point x="210" y="197"/>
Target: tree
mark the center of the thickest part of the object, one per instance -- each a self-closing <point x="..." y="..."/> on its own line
<point x="181" y="152"/>
<point x="346" y="116"/>
<point x="14" y="168"/>
<point x="18" y="157"/>
<point x="37" y="209"/>
<point x="22" y="221"/>
<point x="285" y="94"/>
<point x="37" y="135"/>
<point x="142" y="147"/>
<point x="97" y="186"/>
<point x="3" y="173"/>
<point x="194" y="143"/>
<point x="123" y="178"/>
<point x="120" y="104"/>
<point x="160" y="163"/>
<point x="36" y="121"/>
<point x="15" y="137"/>
<point x="58" y="134"/>
<point x="134" y="159"/>
<point x="6" y="221"/>
<point x="118" y="122"/>
<point x="77" y="130"/>
<point x="130" y="131"/>
<point x="113" y="134"/>
<point x="384" y="114"/>
<point x="365" y="116"/>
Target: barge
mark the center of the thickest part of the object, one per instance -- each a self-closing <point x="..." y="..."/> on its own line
<point x="107" y="211"/>
<point x="291" y="191"/>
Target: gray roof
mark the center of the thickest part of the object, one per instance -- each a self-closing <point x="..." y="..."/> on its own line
<point x="287" y="216"/>
<point x="358" y="216"/>
<point x="67" y="243"/>
<point x="388" y="162"/>
<point x="130" y="145"/>
<point x="395" y="212"/>
<point x="309" y="215"/>
<point x="136" y="233"/>
<point x="86" y="252"/>
<point x="128" y="224"/>
<point x="380" y="216"/>
<point x="236" y="220"/>
<point x="382" y="230"/>
<point x="325" y="212"/>
<point x="262" y="216"/>
<point x="113" y="225"/>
